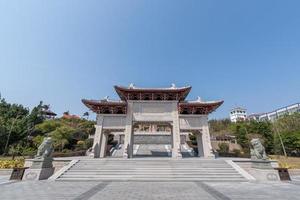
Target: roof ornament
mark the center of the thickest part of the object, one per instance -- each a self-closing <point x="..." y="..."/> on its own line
<point x="131" y="86"/>
<point x="199" y="99"/>
<point x="173" y="86"/>
<point x="106" y="98"/>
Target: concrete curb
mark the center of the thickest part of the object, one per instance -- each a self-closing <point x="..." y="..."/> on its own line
<point x="63" y="170"/>
<point x="240" y="170"/>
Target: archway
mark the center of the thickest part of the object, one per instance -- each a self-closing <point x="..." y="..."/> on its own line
<point x="112" y="143"/>
<point x="152" y="139"/>
<point x="193" y="143"/>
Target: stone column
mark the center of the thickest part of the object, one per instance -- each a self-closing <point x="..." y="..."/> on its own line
<point x="176" y="151"/>
<point x="207" y="148"/>
<point x="97" y="137"/>
<point x="199" y="144"/>
<point x="103" y="145"/>
<point x="128" y="139"/>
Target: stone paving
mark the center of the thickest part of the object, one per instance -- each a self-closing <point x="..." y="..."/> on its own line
<point x="4" y="179"/>
<point x="92" y="190"/>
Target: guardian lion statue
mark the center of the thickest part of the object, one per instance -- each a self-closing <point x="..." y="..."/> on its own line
<point x="257" y="150"/>
<point x="45" y="149"/>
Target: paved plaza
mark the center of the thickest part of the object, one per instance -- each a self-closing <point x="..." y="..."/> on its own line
<point x="93" y="190"/>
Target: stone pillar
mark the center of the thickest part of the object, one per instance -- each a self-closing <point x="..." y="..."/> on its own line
<point x="199" y="144"/>
<point x="128" y="139"/>
<point x="176" y="151"/>
<point x="103" y="145"/>
<point x="97" y="137"/>
<point x="206" y="143"/>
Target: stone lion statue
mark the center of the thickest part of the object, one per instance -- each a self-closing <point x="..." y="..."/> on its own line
<point x="257" y="150"/>
<point x="45" y="149"/>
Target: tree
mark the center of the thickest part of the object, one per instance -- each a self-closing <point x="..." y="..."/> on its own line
<point x="13" y="121"/>
<point x="61" y="136"/>
<point x="264" y="130"/>
<point x="86" y="114"/>
<point x="291" y="142"/>
<point x="37" y="141"/>
<point x="287" y="137"/>
<point x="22" y="130"/>
<point x="47" y="126"/>
<point x="17" y="123"/>
<point x="240" y="131"/>
<point x="65" y="132"/>
<point x="219" y="127"/>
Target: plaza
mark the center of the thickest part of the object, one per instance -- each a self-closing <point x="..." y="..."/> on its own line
<point x="84" y="190"/>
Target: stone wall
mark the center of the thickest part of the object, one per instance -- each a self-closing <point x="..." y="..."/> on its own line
<point x="153" y="111"/>
<point x="114" y="122"/>
<point x="191" y="122"/>
<point x="152" y="139"/>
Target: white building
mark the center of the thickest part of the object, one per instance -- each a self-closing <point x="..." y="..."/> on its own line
<point x="280" y="112"/>
<point x="162" y="113"/>
<point x="238" y="114"/>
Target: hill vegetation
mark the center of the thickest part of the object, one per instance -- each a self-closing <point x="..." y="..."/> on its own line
<point x="279" y="137"/>
<point x="22" y="130"/>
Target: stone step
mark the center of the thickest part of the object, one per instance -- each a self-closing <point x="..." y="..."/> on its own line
<point x="170" y="175"/>
<point x="152" y="160"/>
<point x="177" y="164"/>
<point x="150" y="172"/>
<point x="152" y="165"/>
<point x="156" y="161"/>
<point x="152" y="169"/>
<point x="152" y="175"/>
<point x="184" y="179"/>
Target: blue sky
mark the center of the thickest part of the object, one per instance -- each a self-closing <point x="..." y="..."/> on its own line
<point x="244" y="52"/>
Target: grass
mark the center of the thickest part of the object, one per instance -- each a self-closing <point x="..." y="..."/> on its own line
<point x="287" y="162"/>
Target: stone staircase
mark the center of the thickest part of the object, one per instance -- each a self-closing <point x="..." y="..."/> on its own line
<point x="151" y="169"/>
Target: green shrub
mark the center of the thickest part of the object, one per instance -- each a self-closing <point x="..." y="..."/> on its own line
<point x="81" y="145"/>
<point x="66" y="151"/>
<point x="89" y="142"/>
<point x="29" y="151"/>
<point x="69" y="153"/>
<point x="237" y="152"/>
<point x="223" y="148"/>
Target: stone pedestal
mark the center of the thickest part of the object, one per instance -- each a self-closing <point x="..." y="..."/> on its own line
<point x="40" y="169"/>
<point x="261" y="164"/>
<point x="265" y="174"/>
<point x="38" y="174"/>
<point x="262" y="170"/>
<point x="42" y="163"/>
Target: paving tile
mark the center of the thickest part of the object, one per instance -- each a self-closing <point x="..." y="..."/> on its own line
<point x="134" y="190"/>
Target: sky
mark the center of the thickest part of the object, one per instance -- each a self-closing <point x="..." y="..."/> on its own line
<point x="246" y="53"/>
